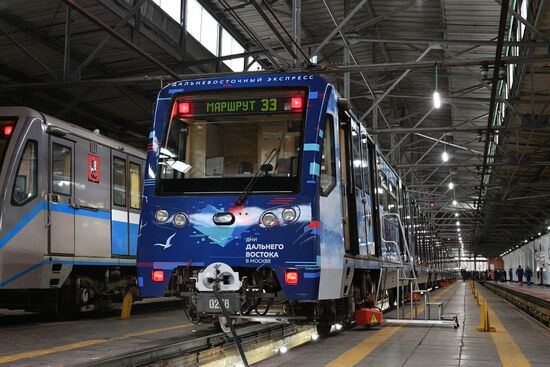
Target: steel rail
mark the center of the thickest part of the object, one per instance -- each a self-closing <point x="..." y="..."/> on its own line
<point x="249" y="334"/>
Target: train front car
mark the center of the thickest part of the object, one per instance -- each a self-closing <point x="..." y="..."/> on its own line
<point x="232" y="195"/>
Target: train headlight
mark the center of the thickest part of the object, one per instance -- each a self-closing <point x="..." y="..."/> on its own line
<point x="289" y="215"/>
<point x="180" y="220"/>
<point x="269" y="220"/>
<point x="161" y="216"/>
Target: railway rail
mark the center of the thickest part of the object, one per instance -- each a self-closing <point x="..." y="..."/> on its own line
<point x="203" y="349"/>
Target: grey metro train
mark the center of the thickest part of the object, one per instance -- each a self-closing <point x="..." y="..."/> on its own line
<point x="69" y="214"/>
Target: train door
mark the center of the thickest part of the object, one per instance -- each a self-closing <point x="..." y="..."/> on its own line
<point x="346" y="185"/>
<point x="119" y="208"/>
<point x="92" y="209"/>
<point x="354" y="214"/>
<point x="368" y="194"/>
<point x="359" y="188"/>
<point x="61" y="196"/>
<point x="134" y="208"/>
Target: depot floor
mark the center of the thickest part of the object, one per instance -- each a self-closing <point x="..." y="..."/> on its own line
<point x="518" y="340"/>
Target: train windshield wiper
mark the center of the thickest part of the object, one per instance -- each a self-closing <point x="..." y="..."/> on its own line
<point x="168" y="158"/>
<point x="264" y="169"/>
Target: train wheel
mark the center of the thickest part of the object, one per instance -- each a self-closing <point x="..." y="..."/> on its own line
<point x="222" y="324"/>
<point x="323" y="328"/>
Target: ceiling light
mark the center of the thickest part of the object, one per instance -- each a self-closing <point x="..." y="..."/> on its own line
<point x="451" y="185"/>
<point x="455" y="202"/>
<point x="538" y="233"/>
<point x="437" y="100"/>
<point x="458" y="229"/>
<point x="457" y="223"/>
<point x="444" y="156"/>
<point x="456" y="215"/>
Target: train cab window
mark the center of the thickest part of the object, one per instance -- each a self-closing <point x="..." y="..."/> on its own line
<point x="328" y="163"/>
<point x="62" y="170"/>
<point x="216" y="142"/>
<point x="25" y="187"/>
<point x="119" y="182"/>
<point x="135" y="186"/>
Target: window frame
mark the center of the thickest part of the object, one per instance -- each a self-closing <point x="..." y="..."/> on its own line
<point x="329" y="121"/>
<point x="140" y="185"/>
<point x="34" y="172"/>
<point x="125" y="196"/>
<point x="54" y="191"/>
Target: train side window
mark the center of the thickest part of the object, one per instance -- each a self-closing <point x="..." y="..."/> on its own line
<point x="25" y="187"/>
<point x="62" y="170"/>
<point x="119" y="182"/>
<point x="135" y="186"/>
<point x="328" y="162"/>
<point x="356" y="151"/>
<point x="365" y="164"/>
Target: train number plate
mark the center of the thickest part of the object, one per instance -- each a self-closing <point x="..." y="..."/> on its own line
<point x="210" y="304"/>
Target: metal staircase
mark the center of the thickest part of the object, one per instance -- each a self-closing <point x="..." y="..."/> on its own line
<point x="408" y="277"/>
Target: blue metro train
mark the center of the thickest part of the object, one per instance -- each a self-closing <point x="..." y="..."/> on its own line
<point x="269" y="190"/>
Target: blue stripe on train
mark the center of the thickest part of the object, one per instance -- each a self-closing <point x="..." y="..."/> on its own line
<point x="66" y="208"/>
<point x="26" y="219"/>
<point x="119" y="238"/>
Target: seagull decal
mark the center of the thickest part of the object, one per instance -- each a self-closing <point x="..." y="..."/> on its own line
<point x="167" y="244"/>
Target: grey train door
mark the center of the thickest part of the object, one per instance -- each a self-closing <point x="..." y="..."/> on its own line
<point x="61" y="196"/>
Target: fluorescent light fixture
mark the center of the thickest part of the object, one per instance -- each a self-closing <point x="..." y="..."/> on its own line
<point x="437" y="100"/>
<point x="444" y="156"/>
<point x="451" y="185"/>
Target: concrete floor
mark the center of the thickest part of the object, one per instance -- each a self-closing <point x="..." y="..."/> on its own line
<point x="419" y="346"/>
<point x="72" y="342"/>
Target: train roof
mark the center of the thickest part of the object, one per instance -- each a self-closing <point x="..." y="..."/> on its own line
<point x="73" y="129"/>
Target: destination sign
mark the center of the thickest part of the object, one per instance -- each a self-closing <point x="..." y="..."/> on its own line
<point x="241" y="106"/>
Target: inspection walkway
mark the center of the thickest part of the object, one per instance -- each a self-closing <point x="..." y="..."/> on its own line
<point x="518" y="341"/>
<point x="537" y="291"/>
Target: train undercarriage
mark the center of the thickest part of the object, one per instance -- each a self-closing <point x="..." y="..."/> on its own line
<point x="87" y="288"/>
<point x="257" y="295"/>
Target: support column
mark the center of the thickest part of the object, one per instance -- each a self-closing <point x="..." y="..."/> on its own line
<point x="346" y="57"/>
<point x="67" y="47"/>
<point x="296" y="28"/>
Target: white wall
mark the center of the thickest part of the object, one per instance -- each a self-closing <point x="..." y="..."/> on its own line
<point x="525" y="255"/>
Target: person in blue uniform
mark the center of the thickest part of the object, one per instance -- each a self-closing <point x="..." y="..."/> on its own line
<point x="528" y="275"/>
<point x="519" y="274"/>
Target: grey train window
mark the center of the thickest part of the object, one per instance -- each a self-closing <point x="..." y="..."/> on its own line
<point x="135" y="186"/>
<point x="119" y="182"/>
<point x="356" y="151"/>
<point x="25" y="187"/>
<point x="61" y="169"/>
<point x="328" y="163"/>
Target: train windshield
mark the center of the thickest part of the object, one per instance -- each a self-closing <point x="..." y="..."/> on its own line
<point x="7" y="125"/>
<point x="216" y="142"/>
